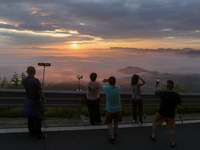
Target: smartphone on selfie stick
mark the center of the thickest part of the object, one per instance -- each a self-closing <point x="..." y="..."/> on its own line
<point x="158" y="80"/>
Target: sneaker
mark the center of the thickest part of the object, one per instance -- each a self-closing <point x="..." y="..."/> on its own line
<point x="133" y="120"/>
<point x="140" y="124"/>
<point x="153" y="139"/>
<point x="111" y="141"/>
<point x="172" y="145"/>
<point x="43" y="136"/>
<point x="99" y="122"/>
<point x="115" y="135"/>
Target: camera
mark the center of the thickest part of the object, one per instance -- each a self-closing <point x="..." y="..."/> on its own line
<point x="79" y="76"/>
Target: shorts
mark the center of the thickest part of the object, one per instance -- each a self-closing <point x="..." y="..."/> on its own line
<point x="158" y="120"/>
<point x="110" y="116"/>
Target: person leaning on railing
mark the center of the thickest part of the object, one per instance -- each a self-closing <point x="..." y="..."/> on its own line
<point x="92" y="96"/>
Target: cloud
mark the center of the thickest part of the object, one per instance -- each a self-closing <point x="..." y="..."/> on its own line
<point x="67" y="63"/>
<point x="40" y="38"/>
<point x="105" y="19"/>
<point x="159" y="51"/>
<point x="191" y="53"/>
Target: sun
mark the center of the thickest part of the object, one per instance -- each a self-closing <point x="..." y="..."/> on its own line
<point x="74" y="45"/>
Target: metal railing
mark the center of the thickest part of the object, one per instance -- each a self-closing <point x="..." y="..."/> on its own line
<point x="58" y="98"/>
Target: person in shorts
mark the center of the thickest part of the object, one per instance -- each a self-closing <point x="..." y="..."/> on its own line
<point x="113" y="106"/>
<point x="166" y="112"/>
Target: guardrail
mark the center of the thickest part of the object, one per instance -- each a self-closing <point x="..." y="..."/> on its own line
<point x="58" y="98"/>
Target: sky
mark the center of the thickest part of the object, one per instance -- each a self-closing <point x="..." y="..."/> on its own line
<point x="75" y="36"/>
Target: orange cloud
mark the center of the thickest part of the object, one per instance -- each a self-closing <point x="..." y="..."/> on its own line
<point x="34" y="8"/>
<point x="43" y="14"/>
<point x="34" y="12"/>
<point x="16" y="25"/>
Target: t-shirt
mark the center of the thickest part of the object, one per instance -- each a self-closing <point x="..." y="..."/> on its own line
<point x="113" y="101"/>
<point x="168" y="103"/>
<point x="92" y="90"/>
<point x="33" y="106"/>
<point x="136" y="92"/>
<point x="32" y="86"/>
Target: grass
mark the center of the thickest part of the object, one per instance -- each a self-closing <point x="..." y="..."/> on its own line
<point x="70" y="112"/>
<point x="188" y="109"/>
<point x="10" y="112"/>
<point x="66" y="112"/>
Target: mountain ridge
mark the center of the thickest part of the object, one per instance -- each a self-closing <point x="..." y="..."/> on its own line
<point x="191" y="81"/>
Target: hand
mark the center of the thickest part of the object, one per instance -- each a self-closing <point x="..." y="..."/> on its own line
<point x="156" y="84"/>
<point x="105" y="80"/>
<point x="44" y="102"/>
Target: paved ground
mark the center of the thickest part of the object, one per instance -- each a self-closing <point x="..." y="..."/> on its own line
<point x="77" y="133"/>
<point x="187" y="138"/>
<point x="9" y="123"/>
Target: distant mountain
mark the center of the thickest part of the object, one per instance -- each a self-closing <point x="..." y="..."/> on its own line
<point x="191" y="81"/>
<point x="132" y="70"/>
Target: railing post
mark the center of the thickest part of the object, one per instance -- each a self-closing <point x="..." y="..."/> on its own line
<point x="78" y="112"/>
<point x="78" y="108"/>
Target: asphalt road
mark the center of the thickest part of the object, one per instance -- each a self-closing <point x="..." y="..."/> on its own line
<point x="187" y="138"/>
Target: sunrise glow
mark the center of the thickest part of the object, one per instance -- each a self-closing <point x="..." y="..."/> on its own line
<point x="76" y="39"/>
<point x="74" y="45"/>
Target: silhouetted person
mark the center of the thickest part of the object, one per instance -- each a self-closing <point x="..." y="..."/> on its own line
<point x="113" y="106"/>
<point x="137" y="98"/>
<point x="166" y="112"/>
<point x="33" y="105"/>
<point x="92" y="95"/>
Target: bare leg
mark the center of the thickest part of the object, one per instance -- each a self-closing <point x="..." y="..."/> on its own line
<point x="172" y="133"/>
<point x="115" y="127"/>
<point x="110" y="128"/>
<point x="154" y="128"/>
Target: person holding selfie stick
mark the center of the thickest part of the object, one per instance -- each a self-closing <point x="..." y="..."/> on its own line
<point x="137" y="98"/>
<point x="166" y="112"/>
<point x="113" y="106"/>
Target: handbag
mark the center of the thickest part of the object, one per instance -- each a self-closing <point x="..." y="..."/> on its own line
<point x="99" y="99"/>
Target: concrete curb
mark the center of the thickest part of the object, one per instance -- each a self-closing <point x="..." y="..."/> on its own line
<point x="88" y="127"/>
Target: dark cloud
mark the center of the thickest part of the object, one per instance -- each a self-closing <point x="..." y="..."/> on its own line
<point x="106" y="19"/>
<point x="6" y="26"/>
<point x="185" y="52"/>
<point x="27" y="39"/>
<point x="191" y="53"/>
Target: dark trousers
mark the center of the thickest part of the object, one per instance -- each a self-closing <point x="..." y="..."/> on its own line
<point x="137" y="104"/>
<point x="94" y="111"/>
<point x="34" y="126"/>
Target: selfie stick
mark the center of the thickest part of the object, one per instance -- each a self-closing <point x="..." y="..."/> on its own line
<point x="44" y="124"/>
<point x="179" y="115"/>
<point x="43" y="64"/>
